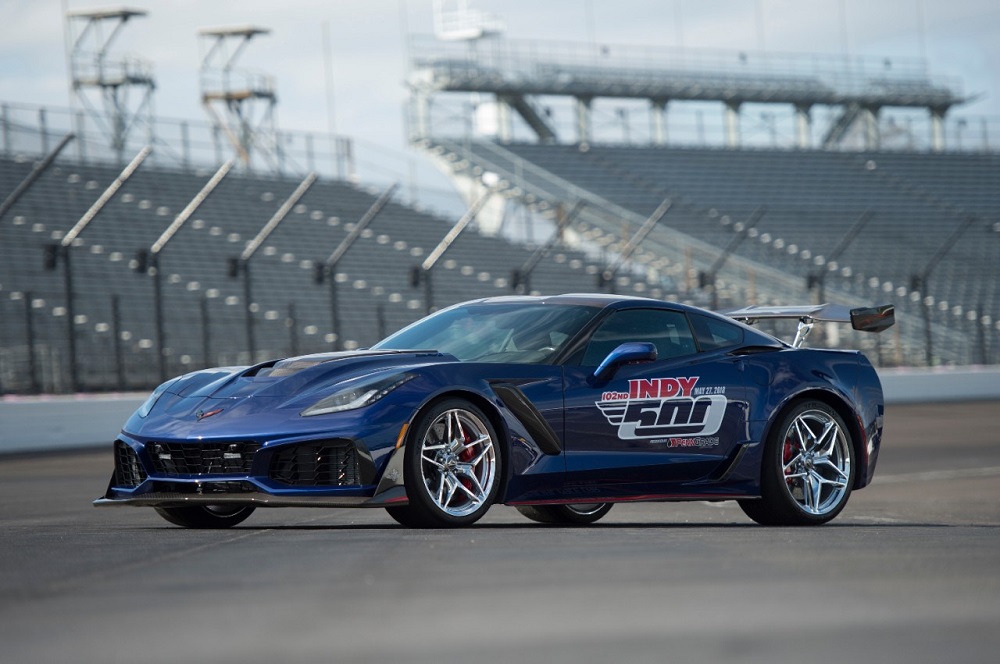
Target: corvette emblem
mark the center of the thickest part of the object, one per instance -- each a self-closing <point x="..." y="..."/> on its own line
<point x="201" y="414"/>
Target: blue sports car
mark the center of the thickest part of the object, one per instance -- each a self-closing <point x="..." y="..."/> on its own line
<point x="560" y="406"/>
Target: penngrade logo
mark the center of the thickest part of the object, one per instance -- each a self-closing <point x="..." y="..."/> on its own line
<point x="664" y="408"/>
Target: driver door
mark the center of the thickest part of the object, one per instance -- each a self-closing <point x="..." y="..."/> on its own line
<point x="654" y="424"/>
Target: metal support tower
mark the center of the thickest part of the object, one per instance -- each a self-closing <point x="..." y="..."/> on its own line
<point x="240" y="103"/>
<point x="149" y="261"/>
<point x="122" y="85"/>
<point x="328" y="269"/>
<point x="606" y="278"/>
<point x="241" y="265"/>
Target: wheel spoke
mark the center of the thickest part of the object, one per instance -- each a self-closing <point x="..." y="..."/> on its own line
<point x="806" y="492"/>
<point x="460" y="436"/>
<point x="478" y="500"/>
<point x="453" y="486"/>
<point x="830" y="430"/>
<point x="826" y="462"/>
<point x="467" y="470"/>
<point x="789" y="465"/>
<point x="816" y="489"/>
<point x="481" y="439"/>
<point x="486" y="450"/>
<point x="431" y="461"/>
<point x="440" y="491"/>
<point x="803" y="437"/>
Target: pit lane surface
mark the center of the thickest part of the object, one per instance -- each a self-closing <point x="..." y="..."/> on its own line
<point x="910" y="572"/>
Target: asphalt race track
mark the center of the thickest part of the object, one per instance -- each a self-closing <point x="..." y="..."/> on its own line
<point x="909" y="573"/>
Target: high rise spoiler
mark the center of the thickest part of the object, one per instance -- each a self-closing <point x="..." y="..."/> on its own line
<point x="865" y="319"/>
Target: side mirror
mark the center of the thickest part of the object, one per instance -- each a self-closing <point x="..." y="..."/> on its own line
<point x="632" y="352"/>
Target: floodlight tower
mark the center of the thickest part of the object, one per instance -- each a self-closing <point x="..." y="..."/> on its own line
<point x="98" y="80"/>
<point x="240" y="103"/>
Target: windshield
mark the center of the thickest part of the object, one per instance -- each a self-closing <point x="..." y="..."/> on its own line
<point x="495" y="332"/>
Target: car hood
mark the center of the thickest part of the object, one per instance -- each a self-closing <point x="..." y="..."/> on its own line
<point x="298" y="376"/>
<point x="262" y="399"/>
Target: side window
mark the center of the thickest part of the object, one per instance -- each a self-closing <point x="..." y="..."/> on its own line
<point x="714" y="333"/>
<point x="668" y="330"/>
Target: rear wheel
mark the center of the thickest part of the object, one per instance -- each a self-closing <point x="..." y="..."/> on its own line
<point x="565" y="515"/>
<point x="808" y="469"/>
<point x="206" y="516"/>
<point x="453" y="467"/>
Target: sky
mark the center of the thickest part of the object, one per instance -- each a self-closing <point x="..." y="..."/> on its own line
<point x="958" y="37"/>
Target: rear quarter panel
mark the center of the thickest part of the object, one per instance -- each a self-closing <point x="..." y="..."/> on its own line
<point x="845" y="379"/>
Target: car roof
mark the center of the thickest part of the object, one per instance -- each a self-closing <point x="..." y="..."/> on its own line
<point x="614" y="301"/>
<point x="601" y="300"/>
<point x="592" y="299"/>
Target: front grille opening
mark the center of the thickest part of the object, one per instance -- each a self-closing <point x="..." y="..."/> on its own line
<point x="129" y="473"/>
<point x="173" y="459"/>
<point x="327" y="463"/>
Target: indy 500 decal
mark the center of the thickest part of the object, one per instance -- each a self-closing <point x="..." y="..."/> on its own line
<point x="665" y="408"/>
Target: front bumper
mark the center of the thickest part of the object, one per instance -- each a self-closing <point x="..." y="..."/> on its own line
<point x="139" y="481"/>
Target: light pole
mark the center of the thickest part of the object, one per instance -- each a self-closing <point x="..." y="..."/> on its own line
<point x="328" y="269"/>
<point x="53" y="254"/>
<point x="149" y="261"/>
<point x="242" y="264"/>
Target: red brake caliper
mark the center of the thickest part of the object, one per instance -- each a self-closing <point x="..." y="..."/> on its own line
<point x="466" y="456"/>
<point x="787" y="454"/>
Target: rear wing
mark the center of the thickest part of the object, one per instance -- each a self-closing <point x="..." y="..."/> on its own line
<point x="865" y="319"/>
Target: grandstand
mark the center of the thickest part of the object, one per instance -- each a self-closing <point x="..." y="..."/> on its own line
<point x="205" y="320"/>
<point x="828" y="217"/>
<point x="838" y="214"/>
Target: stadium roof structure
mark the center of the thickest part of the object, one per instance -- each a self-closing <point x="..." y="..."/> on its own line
<point x="516" y="71"/>
<point x="459" y="75"/>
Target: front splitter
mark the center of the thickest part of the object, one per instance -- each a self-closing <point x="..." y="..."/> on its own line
<point x="393" y="497"/>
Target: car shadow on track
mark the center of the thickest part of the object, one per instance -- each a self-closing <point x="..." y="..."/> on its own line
<point x="595" y="527"/>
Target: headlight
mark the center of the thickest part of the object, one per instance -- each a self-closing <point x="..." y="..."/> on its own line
<point x="151" y="400"/>
<point x="358" y="393"/>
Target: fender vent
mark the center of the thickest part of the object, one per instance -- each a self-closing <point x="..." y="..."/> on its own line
<point x="326" y="463"/>
<point x="129" y="473"/>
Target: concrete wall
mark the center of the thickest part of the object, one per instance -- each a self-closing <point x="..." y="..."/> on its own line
<point x="30" y="424"/>
<point x="910" y="385"/>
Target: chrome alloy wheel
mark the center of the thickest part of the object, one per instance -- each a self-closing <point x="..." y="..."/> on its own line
<point x="458" y="462"/>
<point x="586" y="509"/>
<point x="816" y="462"/>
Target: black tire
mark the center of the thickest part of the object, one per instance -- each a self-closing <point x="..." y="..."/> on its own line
<point x="565" y="515"/>
<point x="404" y="516"/>
<point x="452" y="451"/>
<point x="206" y="516"/>
<point x="808" y="468"/>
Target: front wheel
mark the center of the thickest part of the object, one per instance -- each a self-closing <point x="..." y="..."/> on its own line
<point x="206" y="516"/>
<point x="807" y="471"/>
<point x="565" y="515"/>
<point x="453" y="467"/>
